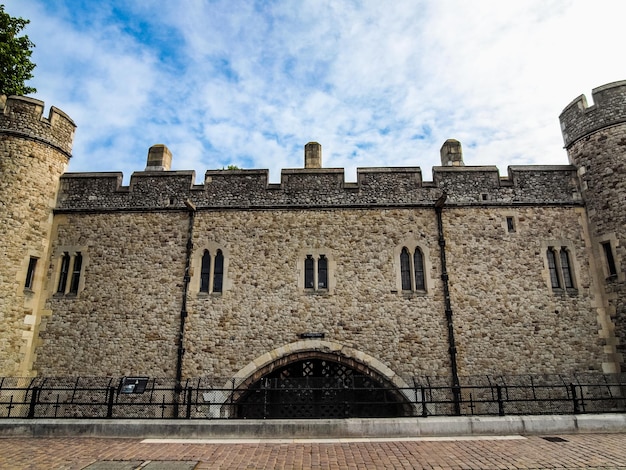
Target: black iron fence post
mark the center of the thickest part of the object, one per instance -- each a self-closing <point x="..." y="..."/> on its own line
<point x="424" y="409"/>
<point x="110" y="399"/>
<point x="574" y="398"/>
<point x="33" y="402"/>
<point x="500" y="401"/>
<point x="189" y="397"/>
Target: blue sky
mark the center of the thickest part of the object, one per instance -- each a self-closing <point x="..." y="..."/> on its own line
<point x="377" y="83"/>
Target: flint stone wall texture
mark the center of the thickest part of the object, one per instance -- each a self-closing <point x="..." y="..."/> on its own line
<point x="126" y="318"/>
<point x="595" y="137"/>
<point x="30" y="167"/>
<point x="375" y="187"/>
<point x="507" y="318"/>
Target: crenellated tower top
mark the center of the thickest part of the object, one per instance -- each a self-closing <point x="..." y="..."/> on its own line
<point x="23" y="117"/>
<point x="579" y="119"/>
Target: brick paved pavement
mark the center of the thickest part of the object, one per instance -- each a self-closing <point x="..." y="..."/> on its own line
<point x="574" y="452"/>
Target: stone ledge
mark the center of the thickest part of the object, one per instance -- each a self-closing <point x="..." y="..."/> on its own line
<point x="316" y="428"/>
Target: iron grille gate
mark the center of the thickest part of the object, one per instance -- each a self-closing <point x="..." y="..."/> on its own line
<point x="317" y="388"/>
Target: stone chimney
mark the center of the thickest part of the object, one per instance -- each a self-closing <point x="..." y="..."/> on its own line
<point x="159" y="158"/>
<point x="312" y="155"/>
<point x="451" y="153"/>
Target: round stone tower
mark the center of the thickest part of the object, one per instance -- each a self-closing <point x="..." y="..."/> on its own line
<point x="34" y="152"/>
<point x="595" y="140"/>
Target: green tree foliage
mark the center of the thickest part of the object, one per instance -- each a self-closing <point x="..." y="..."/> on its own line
<point x="15" y="52"/>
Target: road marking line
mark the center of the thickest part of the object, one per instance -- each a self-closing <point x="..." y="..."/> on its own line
<point x="341" y="440"/>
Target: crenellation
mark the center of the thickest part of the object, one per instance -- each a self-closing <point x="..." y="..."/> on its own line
<point x="397" y="186"/>
<point x="24" y="116"/>
<point x="578" y="119"/>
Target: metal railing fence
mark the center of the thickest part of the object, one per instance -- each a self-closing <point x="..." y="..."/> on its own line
<point x="203" y="398"/>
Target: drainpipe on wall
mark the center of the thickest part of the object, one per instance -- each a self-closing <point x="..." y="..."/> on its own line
<point x="191" y="208"/>
<point x="448" y="304"/>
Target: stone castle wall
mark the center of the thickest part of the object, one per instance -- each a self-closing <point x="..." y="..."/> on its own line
<point x="595" y="138"/>
<point x="507" y="319"/>
<point x="125" y="315"/>
<point x="34" y="152"/>
<point x="377" y="187"/>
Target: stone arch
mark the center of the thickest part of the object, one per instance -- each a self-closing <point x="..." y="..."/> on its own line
<point x="249" y="379"/>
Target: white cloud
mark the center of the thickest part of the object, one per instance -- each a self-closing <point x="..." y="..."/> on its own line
<point x="376" y="83"/>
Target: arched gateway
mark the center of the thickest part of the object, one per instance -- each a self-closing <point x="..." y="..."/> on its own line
<point x="327" y="381"/>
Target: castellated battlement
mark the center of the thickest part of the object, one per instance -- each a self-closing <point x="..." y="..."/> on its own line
<point x="319" y="187"/>
<point x="579" y="119"/>
<point x="23" y="117"/>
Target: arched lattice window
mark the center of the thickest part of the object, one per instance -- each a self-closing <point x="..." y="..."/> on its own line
<point x="560" y="268"/>
<point x="412" y="270"/>
<point x="316" y="272"/>
<point x="70" y="273"/>
<point x="212" y="272"/>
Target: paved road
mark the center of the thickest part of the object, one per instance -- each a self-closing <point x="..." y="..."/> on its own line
<point x="504" y="452"/>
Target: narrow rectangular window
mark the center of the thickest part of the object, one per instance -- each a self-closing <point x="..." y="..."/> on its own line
<point x="30" y="273"/>
<point x="418" y="265"/>
<point x="566" y="269"/>
<point x="65" y="267"/>
<point x="218" y="271"/>
<point x="554" y="275"/>
<point x="510" y="224"/>
<point x="610" y="260"/>
<point x="78" y="262"/>
<point x="322" y="273"/>
<point x="309" y="272"/>
<point x="405" y="269"/>
<point x="205" y="272"/>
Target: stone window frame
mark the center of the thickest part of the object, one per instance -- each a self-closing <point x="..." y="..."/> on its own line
<point x="196" y="270"/>
<point x="74" y="276"/>
<point x="612" y="242"/>
<point x="411" y="245"/>
<point x="565" y="266"/>
<point x="315" y="254"/>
